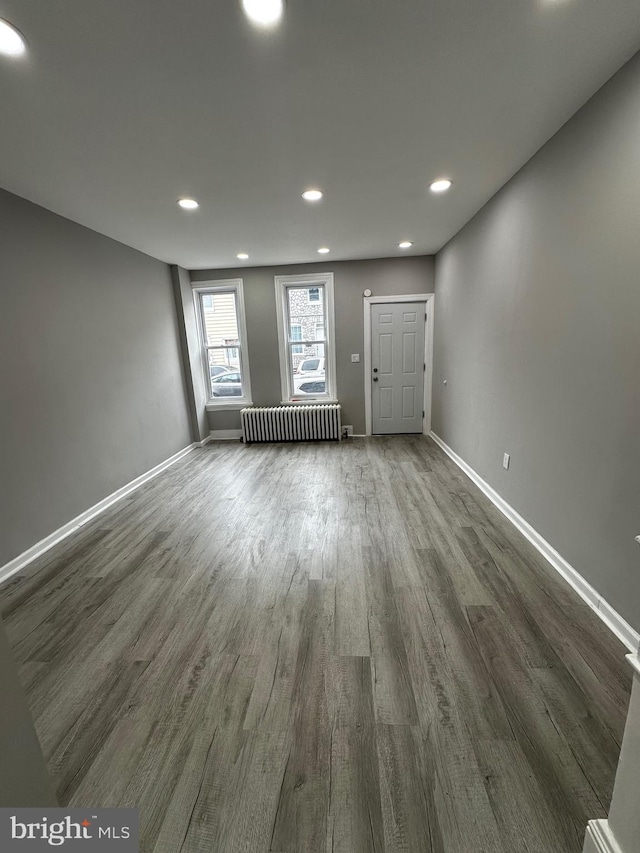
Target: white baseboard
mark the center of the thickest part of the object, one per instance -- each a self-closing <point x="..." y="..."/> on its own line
<point x="203" y="442"/>
<point x="600" y="839"/>
<point x="70" y="527"/>
<point x="224" y="434"/>
<point x="625" y="633"/>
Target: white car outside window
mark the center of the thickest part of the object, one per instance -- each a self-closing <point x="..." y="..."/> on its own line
<point x="311" y="366"/>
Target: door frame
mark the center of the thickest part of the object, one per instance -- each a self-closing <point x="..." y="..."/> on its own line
<point x="429" y="300"/>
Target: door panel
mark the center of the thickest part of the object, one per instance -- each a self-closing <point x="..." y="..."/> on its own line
<point x="397" y="358"/>
<point x="408" y="402"/>
<point x="386" y="404"/>
<point x="386" y="354"/>
<point x="408" y="353"/>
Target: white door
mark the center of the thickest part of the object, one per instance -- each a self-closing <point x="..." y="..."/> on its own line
<point x="397" y="365"/>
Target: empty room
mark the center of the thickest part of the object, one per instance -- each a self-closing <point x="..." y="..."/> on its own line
<point x="320" y="434"/>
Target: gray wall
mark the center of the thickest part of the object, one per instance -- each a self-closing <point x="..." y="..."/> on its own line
<point x="91" y="382"/>
<point x="538" y="336"/>
<point x="387" y="276"/>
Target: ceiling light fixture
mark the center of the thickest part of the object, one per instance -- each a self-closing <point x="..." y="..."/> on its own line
<point x="323" y="250"/>
<point x="312" y="195"/>
<point x="242" y="256"/>
<point x="406" y="244"/>
<point x="440" y="186"/>
<point x="264" y="13"/>
<point x="11" y="42"/>
<point x="188" y="203"/>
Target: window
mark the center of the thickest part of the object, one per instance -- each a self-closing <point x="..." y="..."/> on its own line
<point x="220" y="314"/>
<point x="306" y="337"/>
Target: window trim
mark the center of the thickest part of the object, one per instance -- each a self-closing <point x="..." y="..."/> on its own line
<point x="282" y="283"/>
<point x="235" y="286"/>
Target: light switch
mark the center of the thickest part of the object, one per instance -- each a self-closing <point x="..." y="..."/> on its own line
<point x="355" y="357"/>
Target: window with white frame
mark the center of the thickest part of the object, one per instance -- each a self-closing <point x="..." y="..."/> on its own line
<point x="220" y="314"/>
<point x="306" y="337"/>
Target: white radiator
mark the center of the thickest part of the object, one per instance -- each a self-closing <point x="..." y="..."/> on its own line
<point x="291" y="423"/>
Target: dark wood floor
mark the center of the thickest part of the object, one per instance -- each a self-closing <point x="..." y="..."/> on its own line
<point x="320" y="647"/>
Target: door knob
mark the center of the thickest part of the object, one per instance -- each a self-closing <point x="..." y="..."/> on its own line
<point x="375" y="378"/>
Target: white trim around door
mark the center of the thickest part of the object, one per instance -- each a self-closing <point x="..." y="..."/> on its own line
<point x="428" y="299"/>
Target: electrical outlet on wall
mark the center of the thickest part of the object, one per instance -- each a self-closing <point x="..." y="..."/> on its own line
<point x="506" y="459"/>
<point x="347" y="430"/>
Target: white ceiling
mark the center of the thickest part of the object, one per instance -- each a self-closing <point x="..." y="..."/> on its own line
<point x="123" y="106"/>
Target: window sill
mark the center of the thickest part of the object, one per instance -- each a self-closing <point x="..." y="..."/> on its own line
<point x="310" y="401"/>
<point x="228" y="406"/>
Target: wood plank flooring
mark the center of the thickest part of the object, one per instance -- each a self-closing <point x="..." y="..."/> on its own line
<point x="304" y="648"/>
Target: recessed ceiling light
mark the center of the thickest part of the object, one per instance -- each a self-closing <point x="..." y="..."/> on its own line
<point x="312" y="195"/>
<point x="265" y="13"/>
<point x="406" y="244"/>
<point x="242" y="256"/>
<point x="440" y="186"/>
<point x="323" y="250"/>
<point x="11" y="42"/>
<point x="188" y="203"/>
